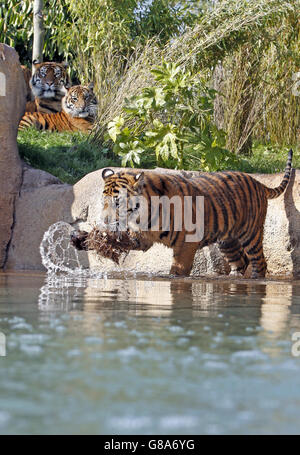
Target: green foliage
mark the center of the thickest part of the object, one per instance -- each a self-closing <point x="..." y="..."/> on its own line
<point x="16" y="27"/>
<point x="68" y="156"/>
<point x="172" y="120"/>
<point x="164" y="18"/>
<point x="117" y="44"/>
<point x="268" y="159"/>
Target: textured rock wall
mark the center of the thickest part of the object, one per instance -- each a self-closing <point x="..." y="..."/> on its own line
<point x="12" y="106"/>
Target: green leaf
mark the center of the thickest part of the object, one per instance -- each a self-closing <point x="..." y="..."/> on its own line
<point x="114" y="127"/>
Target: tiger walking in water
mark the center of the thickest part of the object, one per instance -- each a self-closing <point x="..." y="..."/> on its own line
<point x="235" y="207"/>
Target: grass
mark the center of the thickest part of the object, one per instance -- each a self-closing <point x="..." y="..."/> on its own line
<point x="268" y="159"/>
<point x="70" y="156"/>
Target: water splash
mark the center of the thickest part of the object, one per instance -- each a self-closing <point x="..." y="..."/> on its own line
<point x="57" y="254"/>
<point x="62" y="260"/>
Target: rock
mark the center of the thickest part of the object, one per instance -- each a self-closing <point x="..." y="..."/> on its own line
<point x="12" y="107"/>
<point x="44" y="200"/>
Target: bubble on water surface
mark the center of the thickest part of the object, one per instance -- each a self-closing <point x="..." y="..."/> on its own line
<point x="175" y="328"/>
<point x="31" y="349"/>
<point x="245" y="356"/>
<point x="179" y="422"/>
<point x="21" y="326"/>
<point x="74" y="353"/>
<point x="130" y="423"/>
<point x="33" y="338"/>
<point x="93" y="340"/>
<point x="182" y="341"/>
<point x="212" y="365"/>
<point x="15" y="320"/>
<point x="129" y="352"/>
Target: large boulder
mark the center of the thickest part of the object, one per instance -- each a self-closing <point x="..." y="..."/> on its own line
<point x="12" y="107"/>
<point x="44" y="200"/>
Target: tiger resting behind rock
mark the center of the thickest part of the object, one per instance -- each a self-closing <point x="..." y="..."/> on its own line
<point x="79" y="112"/>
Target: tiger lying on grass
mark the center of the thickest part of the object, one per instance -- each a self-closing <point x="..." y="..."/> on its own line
<point x="49" y="84"/>
<point x="235" y="207"/>
<point x="79" y="112"/>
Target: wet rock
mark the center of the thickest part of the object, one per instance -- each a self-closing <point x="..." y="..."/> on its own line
<point x="43" y="200"/>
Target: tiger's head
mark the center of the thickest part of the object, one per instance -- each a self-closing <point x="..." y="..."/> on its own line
<point x="49" y="80"/>
<point x="80" y="101"/>
<point x="121" y="194"/>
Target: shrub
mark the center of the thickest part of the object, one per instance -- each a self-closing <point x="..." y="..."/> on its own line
<point x="16" y="28"/>
<point x="172" y="120"/>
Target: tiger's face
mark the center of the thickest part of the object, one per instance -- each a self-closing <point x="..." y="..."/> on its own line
<point x="121" y="197"/>
<point x="80" y="101"/>
<point x="49" y="80"/>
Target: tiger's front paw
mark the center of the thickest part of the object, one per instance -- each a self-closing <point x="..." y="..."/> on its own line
<point x="179" y="270"/>
<point x="235" y="273"/>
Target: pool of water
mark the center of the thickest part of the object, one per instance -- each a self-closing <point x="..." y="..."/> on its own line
<point x="134" y="355"/>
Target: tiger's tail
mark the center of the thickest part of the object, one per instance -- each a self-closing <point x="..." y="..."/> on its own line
<point x="275" y="192"/>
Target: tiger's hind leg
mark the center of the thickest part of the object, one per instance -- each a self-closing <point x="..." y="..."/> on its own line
<point x="253" y="247"/>
<point x="235" y="256"/>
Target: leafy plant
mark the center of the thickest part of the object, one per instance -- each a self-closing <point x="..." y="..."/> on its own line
<point x="172" y="120"/>
<point x="16" y="28"/>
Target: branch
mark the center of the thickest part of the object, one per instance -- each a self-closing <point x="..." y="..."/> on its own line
<point x="38" y="31"/>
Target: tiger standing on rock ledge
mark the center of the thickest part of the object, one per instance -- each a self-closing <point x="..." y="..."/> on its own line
<point x="235" y="207"/>
<point x="79" y="112"/>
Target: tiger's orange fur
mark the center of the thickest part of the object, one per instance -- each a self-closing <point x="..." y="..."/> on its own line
<point x="79" y="113"/>
<point x="235" y="207"/>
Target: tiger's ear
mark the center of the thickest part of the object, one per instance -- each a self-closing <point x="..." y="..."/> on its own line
<point x="139" y="180"/>
<point x="91" y="86"/>
<point x="107" y="173"/>
<point x="65" y="65"/>
<point x="35" y="65"/>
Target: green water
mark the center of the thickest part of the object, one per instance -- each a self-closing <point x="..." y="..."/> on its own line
<point x="130" y="356"/>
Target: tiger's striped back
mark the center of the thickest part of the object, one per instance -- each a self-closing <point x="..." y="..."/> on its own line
<point x="235" y="207"/>
<point x="55" y="122"/>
